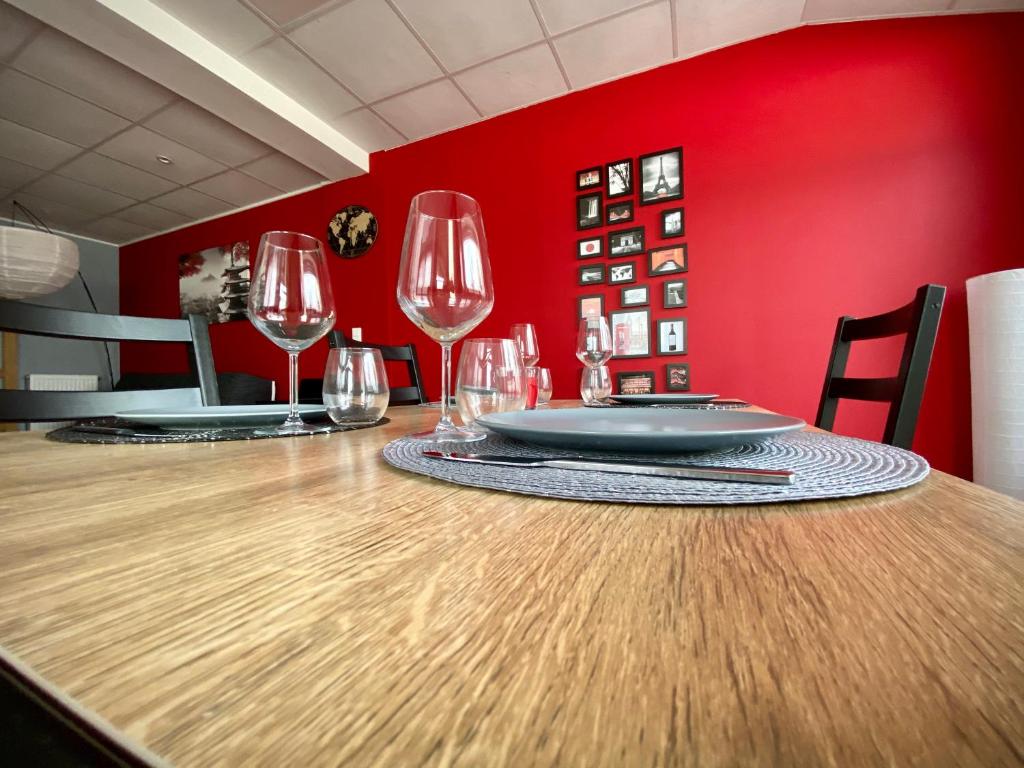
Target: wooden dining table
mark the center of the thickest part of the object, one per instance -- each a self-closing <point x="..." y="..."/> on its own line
<point x="300" y="602"/>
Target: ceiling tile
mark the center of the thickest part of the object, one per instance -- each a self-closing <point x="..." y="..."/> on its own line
<point x="14" y="174"/>
<point x="114" y="230"/>
<point x="613" y="48"/>
<point x="101" y="171"/>
<point x="368" y="131"/>
<point x="33" y="148"/>
<point x="284" y="12"/>
<point x="465" y="32"/>
<point x="226" y="23"/>
<point x="988" y="5"/>
<point x="37" y="105"/>
<point x="152" y="216"/>
<point x="73" y="193"/>
<point x="87" y="73"/>
<point x="705" y="24"/>
<point x="368" y="48"/>
<point x="560" y="15"/>
<point x="829" y="10"/>
<point x="15" y="28"/>
<point x="513" y="81"/>
<point x="282" y="172"/>
<point x="204" y="132"/>
<point x="139" y="147"/>
<point x="428" y="110"/>
<point x="191" y="203"/>
<point x="237" y="188"/>
<point x="54" y="214"/>
<point x="282" y="64"/>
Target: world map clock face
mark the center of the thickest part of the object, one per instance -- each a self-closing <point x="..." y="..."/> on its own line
<point x="352" y="231"/>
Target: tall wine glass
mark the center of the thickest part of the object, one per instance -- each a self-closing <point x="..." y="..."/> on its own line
<point x="594" y="341"/>
<point x="444" y="283"/>
<point x="290" y="302"/>
<point x="525" y="335"/>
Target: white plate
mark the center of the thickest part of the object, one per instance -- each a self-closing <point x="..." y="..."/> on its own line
<point x="639" y="430"/>
<point x="220" y="416"/>
<point x="663" y="399"/>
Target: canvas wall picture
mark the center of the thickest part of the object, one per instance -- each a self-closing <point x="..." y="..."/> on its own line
<point x="214" y="282"/>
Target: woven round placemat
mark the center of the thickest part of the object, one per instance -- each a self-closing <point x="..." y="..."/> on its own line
<point x="145" y="435"/>
<point x="827" y="467"/>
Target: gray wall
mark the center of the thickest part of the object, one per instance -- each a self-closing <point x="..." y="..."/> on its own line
<point x="98" y="263"/>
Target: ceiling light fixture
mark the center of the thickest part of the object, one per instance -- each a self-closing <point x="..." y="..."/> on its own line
<point x="164" y="159"/>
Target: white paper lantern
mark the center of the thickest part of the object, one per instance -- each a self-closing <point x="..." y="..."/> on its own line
<point x="33" y="263"/>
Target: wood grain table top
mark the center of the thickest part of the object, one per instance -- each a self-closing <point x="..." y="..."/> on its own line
<point x="299" y="602"/>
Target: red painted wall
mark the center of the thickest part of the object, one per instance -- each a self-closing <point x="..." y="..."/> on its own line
<point x="830" y="169"/>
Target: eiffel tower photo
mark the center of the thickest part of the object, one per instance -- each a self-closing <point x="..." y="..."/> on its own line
<point x="661" y="176"/>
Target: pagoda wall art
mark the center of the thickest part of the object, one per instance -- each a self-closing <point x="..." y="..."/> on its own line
<point x="214" y="282"/>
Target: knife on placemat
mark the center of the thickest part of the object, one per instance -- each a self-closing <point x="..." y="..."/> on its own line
<point x="628" y="467"/>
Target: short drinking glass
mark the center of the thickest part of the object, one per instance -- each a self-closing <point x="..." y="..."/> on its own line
<point x="543" y="386"/>
<point x="596" y="384"/>
<point x="491" y="379"/>
<point x="355" y="386"/>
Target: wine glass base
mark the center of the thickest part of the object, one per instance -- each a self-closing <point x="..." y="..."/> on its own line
<point x="456" y="435"/>
<point x="287" y="429"/>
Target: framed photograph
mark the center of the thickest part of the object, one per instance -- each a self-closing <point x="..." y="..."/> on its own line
<point x="214" y="282"/>
<point x="672" y="223"/>
<point x="619" y="176"/>
<point x="592" y="274"/>
<point x="672" y="336"/>
<point x="589" y="247"/>
<point x="622" y="273"/>
<point x="589" y="306"/>
<point x="631" y="332"/>
<point x="661" y="176"/>
<point x="677" y="377"/>
<point x="588" y="211"/>
<point x="626" y="242"/>
<point x="618" y="213"/>
<point x="635" y="382"/>
<point x="638" y="296"/>
<point x="588" y="178"/>
<point x="675" y="294"/>
<point x="667" y="260"/>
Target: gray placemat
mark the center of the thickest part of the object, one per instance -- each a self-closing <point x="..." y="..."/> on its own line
<point x="827" y="467"/>
<point x="143" y="434"/>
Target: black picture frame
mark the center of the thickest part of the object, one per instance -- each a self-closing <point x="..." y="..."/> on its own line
<point x="624" y="205"/>
<point x="590" y="269"/>
<point x="614" y="172"/>
<point x="581" y="299"/>
<point x="669" y="322"/>
<point x="673" y="294"/>
<point x="596" y="183"/>
<point x="647" y="332"/>
<point x="651" y="179"/>
<point x="623" y="376"/>
<point x="665" y="233"/>
<point x="624" y="268"/>
<point x="643" y="302"/>
<point x="589" y="222"/>
<point x="654" y="257"/>
<point x="582" y="244"/>
<point x="677" y="377"/>
<point x="636" y="247"/>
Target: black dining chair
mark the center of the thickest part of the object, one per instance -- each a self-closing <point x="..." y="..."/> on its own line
<point x="35" y="320"/>
<point x="311" y="390"/>
<point x="919" y="321"/>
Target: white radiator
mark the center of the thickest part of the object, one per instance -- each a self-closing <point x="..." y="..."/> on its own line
<point x="59" y="382"/>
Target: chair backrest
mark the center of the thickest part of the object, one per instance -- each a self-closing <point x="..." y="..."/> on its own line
<point x="409" y="395"/>
<point x="919" y="320"/>
<point x="35" y="320"/>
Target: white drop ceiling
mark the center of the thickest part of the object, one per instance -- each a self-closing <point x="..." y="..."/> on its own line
<point x="254" y="99"/>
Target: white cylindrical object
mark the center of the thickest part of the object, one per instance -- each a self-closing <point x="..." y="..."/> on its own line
<point x="995" y="311"/>
<point x="33" y="263"/>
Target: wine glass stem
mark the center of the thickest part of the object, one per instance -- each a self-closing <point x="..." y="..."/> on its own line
<point x="446" y="385"/>
<point x="293" y="387"/>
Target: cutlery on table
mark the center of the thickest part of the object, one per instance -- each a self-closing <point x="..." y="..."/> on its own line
<point x="628" y="467"/>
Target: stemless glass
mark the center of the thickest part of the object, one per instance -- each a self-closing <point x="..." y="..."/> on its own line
<point x="594" y="341"/>
<point x="490" y="380"/>
<point x="444" y="283"/>
<point x="596" y="384"/>
<point x="290" y="302"/>
<point x="525" y="336"/>
<point x="544" y="387"/>
<point x="355" y="386"/>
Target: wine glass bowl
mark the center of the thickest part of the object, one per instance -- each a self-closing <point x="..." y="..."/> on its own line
<point x="594" y="341"/>
<point x="525" y="336"/>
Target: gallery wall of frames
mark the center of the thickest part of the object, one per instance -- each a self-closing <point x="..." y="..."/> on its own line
<point x="629" y="268"/>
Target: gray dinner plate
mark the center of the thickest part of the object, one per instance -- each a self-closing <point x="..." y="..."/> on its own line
<point x="639" y="430"/>
<point x="219" y="416"/>
<point x="663" y="399"/>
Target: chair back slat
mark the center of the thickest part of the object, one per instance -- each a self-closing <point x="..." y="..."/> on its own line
<point x="27" y="405"/>
<point x="37" y="320"/>
<point x="919" y="320"/>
